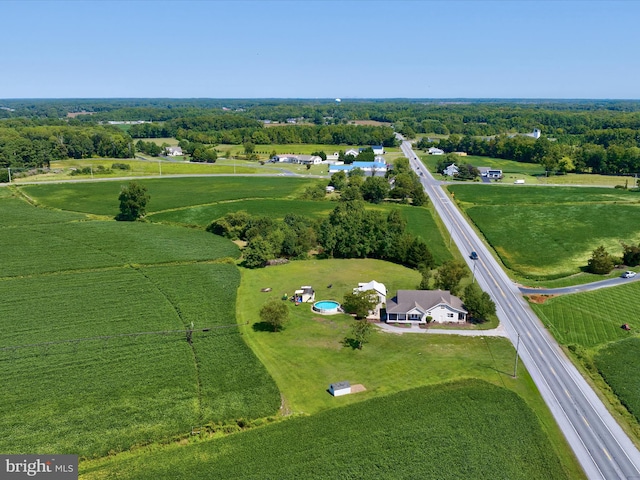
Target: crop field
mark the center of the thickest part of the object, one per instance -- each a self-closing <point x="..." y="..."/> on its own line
<point x="551" y="232"/>
<point x="412" y="434"/>
<point x="74" y="281"/>
<point x="619" y="366"/>
<point x="101" y="198"/>
<point x="591" y="319"/>
<point x="98" y="244"/>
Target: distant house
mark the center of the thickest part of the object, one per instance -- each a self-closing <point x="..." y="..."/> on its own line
<point x="304" y="294"/>
<point x="302" y="159"/>
<point x="367" y="167"/>
<point x="496" y="174"/>
<point x="378" y="149"/>
<point x="333" y="157"/>
<point x="536" y="133"/>
<point x="451" y="170"/>
<point x="174" y="151"/>
<point x="340" y="388"/>
<point x="381" y="292"/>
<point x="413" y="307"/>
<point x="435" y="151"/>
<point x="330" y="189"/>
<point x="352" y="151"/>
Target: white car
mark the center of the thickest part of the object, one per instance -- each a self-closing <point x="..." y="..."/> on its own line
<point x="628" y="274"/>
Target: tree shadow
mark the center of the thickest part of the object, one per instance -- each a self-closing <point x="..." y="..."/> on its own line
<point x="351" y="342"/>
<point x="262" y="327"/>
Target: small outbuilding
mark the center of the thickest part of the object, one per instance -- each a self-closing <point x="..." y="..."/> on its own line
<point x="340" y="388"/>
<point x="304" y="294"/>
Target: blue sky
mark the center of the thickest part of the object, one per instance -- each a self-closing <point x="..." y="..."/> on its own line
<point x="320" y="49"/>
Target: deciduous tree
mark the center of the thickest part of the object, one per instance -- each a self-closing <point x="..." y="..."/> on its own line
<point x="275" y="313"/>
<point x="133" y="202"/>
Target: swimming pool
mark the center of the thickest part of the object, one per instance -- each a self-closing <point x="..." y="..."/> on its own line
<point x="326" y="307"/>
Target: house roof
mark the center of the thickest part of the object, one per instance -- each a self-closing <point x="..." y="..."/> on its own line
<point x="406" y="300"/>
<point x="340" y="385"/>
<point x="373" y="285"/>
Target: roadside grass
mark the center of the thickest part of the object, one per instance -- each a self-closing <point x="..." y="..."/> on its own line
<point x="465" y="429"/>
<point x="592" y="319"/>
<point x="548" y="233"/>
<point x="101" y="198"/>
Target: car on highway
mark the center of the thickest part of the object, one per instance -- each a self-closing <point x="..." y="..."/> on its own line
<point x="473" y="256"/>
<point x="628" y="274"/>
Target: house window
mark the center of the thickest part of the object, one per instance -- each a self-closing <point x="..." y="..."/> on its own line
<point x="415" y="317"/>
<point x="450" y="315"/>
<point x="393" y="316"/>
<point x="402" y="316"/>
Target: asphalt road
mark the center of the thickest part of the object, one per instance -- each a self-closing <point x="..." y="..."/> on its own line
<point x="587" y="287"/>
<point x="601" y="446"/>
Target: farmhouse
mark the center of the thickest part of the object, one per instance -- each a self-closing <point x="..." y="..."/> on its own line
<point x="435" y="151"/>
<point x="451" y="170"/>
<point x="174" y="151"/>
<point x="377" y="149"/>
<point x="352" y="151"/>
<point x="340" y="388"/>
<point x="381" y="292"/>
<point x="413" y="307"/>
<point x="302" y="159"/>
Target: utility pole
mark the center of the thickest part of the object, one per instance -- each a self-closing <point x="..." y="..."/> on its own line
<point x="91" y="167"/>
<point x="160" y="167"/>
<point x="9" y="170"/>
<point x="515" y="367"/>
<point x="473" y="275"/>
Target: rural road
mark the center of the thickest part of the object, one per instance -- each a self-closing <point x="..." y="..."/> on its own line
<point x="600" y="445"/>
<point x="587" y="287"/>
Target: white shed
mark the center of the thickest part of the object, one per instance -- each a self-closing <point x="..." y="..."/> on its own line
<point x="340" y="388"/>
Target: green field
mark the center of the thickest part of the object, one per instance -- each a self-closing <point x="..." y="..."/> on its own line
<point x="71" y="282"/>
<point x="551" y="232"/>
<point x="507" y="166"/>
<point x="468" y="429"/>
<point x="101" y="198"/>
<point x="618" y="364"/>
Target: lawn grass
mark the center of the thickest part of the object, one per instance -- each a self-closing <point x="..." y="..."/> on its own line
<point x="466" y="429"/>
<point x="507" y="166"/>
<point x="546" y="233"/>
<point x="101" y="198"/>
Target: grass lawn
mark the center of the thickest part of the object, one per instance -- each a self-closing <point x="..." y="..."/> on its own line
<point x="546" y="233"/>
<point x="101" y="198"/>
<point x="507" y="166"/>
<point x="467" y="429"/>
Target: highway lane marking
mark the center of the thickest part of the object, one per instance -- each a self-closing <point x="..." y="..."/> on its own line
<point x="587" y="424"/>
<point x="529" y="334"/>
<point x="607" y="454"/>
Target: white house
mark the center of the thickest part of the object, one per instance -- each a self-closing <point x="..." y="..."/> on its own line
<point x="367" y="167"/>
<point x="329" y="189"/>
<point x="309" y="159"/>
<point x="333" y="157"/>
<point x="413" y="307"/>
<point x="497" y="174"/>
<point x="340" y="388"/>
<point x="377" y="149"/>
<point x="174" y="151"/>
<point x="435" y="151"/>
<point x="381" y="292"/>
<point x="451" y="170"/>
<point x="352" y="151"/>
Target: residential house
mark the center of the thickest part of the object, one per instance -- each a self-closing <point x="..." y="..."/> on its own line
<point x="451" y="170"/>
<point x="352" y="152"/>
<point x="381" y="291"/>
<point x="495" y="174"/>
<point x="435" y="151"/>
<point x="174" y="151"/>
<point x="416" y="307"/>
<point x="378" y="149"/>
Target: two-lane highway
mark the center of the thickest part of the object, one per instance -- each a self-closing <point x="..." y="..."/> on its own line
<point x="601" y="446"/>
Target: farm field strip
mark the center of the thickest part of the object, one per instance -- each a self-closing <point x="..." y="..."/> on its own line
<point x="473" y="430"/>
